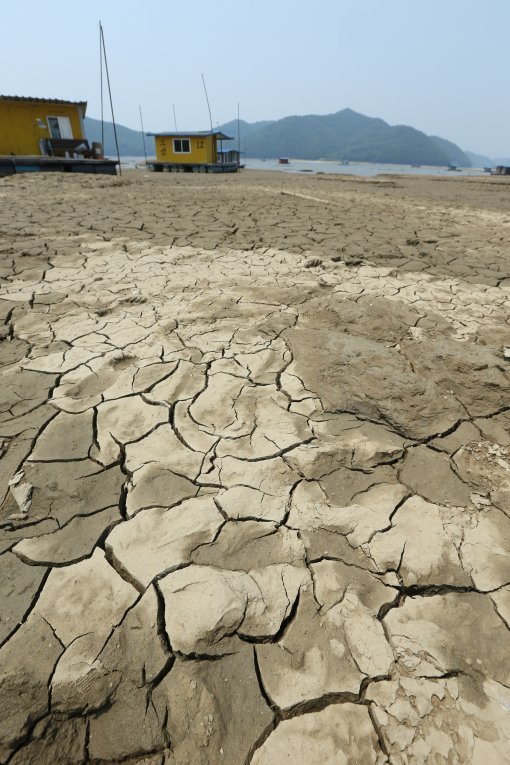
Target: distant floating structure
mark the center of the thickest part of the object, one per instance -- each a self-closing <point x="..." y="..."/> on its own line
<point x="194" y="152"/>
<point x="47" y="134"/>
<point x="283" y="160"/>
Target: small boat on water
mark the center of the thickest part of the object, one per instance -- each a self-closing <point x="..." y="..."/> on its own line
<point x="488" y="169"/>
<point x="283" y="160"/>
<point x="343" y="162"/>
<point x="452" y="167"/>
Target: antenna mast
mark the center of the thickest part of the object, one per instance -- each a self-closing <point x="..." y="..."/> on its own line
<point x="101" y="80"/>
<point x="208" y="106"/>
<point x="238" y="133"/>
<point x="143" y="136"/>
<point x="110" y="94"/>
<point x="175" y="118"/>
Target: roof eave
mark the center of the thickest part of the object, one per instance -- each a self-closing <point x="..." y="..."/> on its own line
<point x="34" y="100"/>
<point x="191" y="134"/>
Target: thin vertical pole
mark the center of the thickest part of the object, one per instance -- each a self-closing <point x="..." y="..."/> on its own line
<point x="143" y="136"/>
<point x="110" y="94"/>
<point x="207" y="99"/>
<point x="101" y="79"/>
<point x="238" y="135"/>
<point x="175" y="118"/>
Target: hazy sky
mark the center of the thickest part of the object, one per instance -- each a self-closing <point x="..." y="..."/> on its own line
<point x="442" y="66"/>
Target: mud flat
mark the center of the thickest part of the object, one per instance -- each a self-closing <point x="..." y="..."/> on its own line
<point x="255" y="470"/>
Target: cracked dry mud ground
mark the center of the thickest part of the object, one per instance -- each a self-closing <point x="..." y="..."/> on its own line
<point x="255" y="470"/>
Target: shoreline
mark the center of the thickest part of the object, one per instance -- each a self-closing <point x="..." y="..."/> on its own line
<point x="352" y="168"/>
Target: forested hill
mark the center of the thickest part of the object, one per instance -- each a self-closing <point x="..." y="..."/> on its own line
<point x="455" y="155"/>
<point x="130" y="141"/>
<point x="345" y="135"/>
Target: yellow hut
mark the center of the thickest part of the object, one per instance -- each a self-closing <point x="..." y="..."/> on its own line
<point x="46" y="134"/>
<point x="192" y="152"/>
<point x="27" y="124"/>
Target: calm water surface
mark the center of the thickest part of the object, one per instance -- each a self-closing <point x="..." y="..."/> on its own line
<point x="353" y="168"/>
<point x="318" y="166"/>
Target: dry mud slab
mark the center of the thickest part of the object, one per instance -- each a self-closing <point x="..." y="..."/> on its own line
<point x="255" y="470"/>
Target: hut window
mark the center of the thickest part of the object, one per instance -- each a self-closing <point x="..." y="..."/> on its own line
<point x="60" y="127"/>
<point x="182" y="146"/>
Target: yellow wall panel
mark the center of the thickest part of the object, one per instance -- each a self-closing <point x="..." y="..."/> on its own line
<point x="23" y="124"/>
<point x="203" y="150"/>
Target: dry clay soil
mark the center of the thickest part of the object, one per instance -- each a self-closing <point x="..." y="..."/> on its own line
<point x="255" y="470"/>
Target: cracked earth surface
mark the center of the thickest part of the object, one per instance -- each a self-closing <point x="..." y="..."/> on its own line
<point x="254" y="470"/>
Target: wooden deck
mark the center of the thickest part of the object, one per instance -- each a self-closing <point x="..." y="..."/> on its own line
<point x="11" y="165"/>
<point x="171" y="167"/>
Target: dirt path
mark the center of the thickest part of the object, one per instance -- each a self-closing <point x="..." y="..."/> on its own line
<point x="254" y="470"/>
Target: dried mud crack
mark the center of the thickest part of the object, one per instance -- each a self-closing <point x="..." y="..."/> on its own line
<point x="254" y="470"/>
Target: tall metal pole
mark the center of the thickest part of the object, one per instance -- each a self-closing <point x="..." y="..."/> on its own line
<point x="208" y="106"/>
<point x="175" y="118"/>
<point x="111" y="101"/>
<point x="143" y="136"/>
<point x="101" y="79"/>
<point x="238" y="135"/>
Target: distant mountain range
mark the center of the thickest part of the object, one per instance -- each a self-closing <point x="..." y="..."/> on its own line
<point x="346" y="135"/>
<point x="480" y="160"/>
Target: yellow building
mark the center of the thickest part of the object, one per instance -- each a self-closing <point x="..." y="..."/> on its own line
<point x="47" y="135"/>
<point x="29" y="125"/>
<point x="192" y="152"/>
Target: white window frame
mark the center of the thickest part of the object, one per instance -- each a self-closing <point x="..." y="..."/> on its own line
<point x="60" y="125"/>
<point x="181" y="139"/>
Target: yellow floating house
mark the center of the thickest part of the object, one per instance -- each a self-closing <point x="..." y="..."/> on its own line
<point x="193" y="152"/>
<point x="47" y="134"/>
